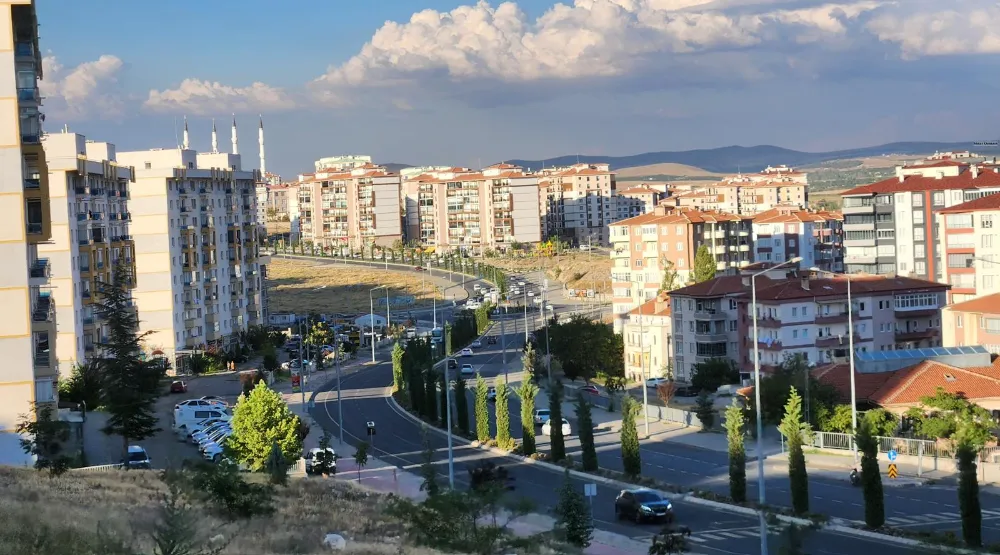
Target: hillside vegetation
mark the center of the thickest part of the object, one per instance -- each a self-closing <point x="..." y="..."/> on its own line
<point x="680" y="170"/>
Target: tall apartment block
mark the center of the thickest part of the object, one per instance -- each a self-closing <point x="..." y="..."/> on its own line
<point x="460" y="208"/>
<point x="891" y="227"/>
<point x="786" y="232"/>
<point x="198" y="269"/>
<point x="350" y="209"/>
<point x="642" y="246"/>
<point x="578" y="202"/>
<point x="970" y="247"/>
<point x="90" y="237"/>
<point x="28" y="332"/>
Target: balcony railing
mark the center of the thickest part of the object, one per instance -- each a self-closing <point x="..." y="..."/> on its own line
<point x="42" y="359"/>
<point x="841" y="340"/>
<point x="831" y="318"/>
<point x="32" y="183"/>
<point x="917" y="335"/>
<point x="39" y="269"/>
<point x="33" y="228"/>
<point x="24" y="49"/>
<point x="43" y="309"/>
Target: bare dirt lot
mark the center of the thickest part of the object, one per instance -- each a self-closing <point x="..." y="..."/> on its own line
<point x="302" y="286"/>
<point x="574" y="269"/>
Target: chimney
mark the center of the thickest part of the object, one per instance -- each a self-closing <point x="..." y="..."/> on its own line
<point x="939" y="175"/>
<point x="805" y="282"/>
<point x="661" y="303"/>
<point x="975" y="170"/>
<point x="901" y="178"/>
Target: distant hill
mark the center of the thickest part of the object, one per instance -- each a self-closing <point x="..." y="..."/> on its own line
<point x="663" y="169"/>
<point x="732" y="159"/>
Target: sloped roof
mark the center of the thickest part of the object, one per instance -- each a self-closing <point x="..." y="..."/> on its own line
<point x="963" y="180"/>
<point x="989" y="202"/>
<point x="907" y="385"/>
<point x="989" y="304"/>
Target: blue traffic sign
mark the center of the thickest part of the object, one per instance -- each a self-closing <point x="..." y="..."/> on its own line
<point x="892" y="455"/>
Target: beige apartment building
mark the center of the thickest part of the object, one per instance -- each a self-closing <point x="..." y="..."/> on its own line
<point x="350" y="209"/>
<point x="647" y="337"/>
<point x="788" y="231"/>
<point x="973" y="322"/>
<point x="577" y="202"/>
<point x="644" y="246"/>
<point x="749" y="195"/>
<point x="28" y="332"/>
<point x="90" y="237"/>
<point x="198" y="270"/>
<point x="969" y="240"/>
<point x="459" y="208"/>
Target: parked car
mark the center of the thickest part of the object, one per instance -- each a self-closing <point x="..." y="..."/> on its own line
<point x="653" y="383"/>
<point x="418" y="268"/>
<point x="196" y="437"/>
<point x="541" y="416"/>
<point x="178" y="386"/>
<point x="477" y="344"/>
<point x="643" y="505"/>
<point x="213" y="451"/>
<point x="200" y="403"/>
<point x="467" y="371"/>
<point x="466" y="352"/>
<point x="215" y="399"/>
<point x="214" y="437"/>
<point x="590" y="389"/>
<point x="311" y="457"/>
<point x="686" y="392"/>
<point x="137" y="458"/>
<point x="189" y="415"/>
<point x="491" y="393"/>
<point x="547" y="428"/>
<point x="199" y="427"/>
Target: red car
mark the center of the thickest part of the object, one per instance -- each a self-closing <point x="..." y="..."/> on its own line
<point x="418" y="268"/>
<point x="590" y="389"/>
<point x="177" y="386"/>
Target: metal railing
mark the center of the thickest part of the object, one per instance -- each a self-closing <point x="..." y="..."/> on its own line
<point x="901" y="445"/>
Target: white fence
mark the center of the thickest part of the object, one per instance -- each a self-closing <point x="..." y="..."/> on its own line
<point x="901" y="445"/>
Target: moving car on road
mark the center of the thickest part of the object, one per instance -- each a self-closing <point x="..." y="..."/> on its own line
<point x="137" y="458"/>
<point x="541" y="416"/>
<point x="643" y="505"/>
<point x="466" y="352"/>
<point x="653" y="383"/>
<point x="178" y="386"/>
<point x="467" y="371"/>
<point x="547" y="428"/>
<point x="590" y="389"/>
<point x="491" y="393"/>
<point x="477" y="344"/>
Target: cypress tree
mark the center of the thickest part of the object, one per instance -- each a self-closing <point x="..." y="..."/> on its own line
<point x="462" y="406"/>
<point x="504" y="441"/>
<point x="871" y="478"/>
<point x="585" y="429"/>
<point x="398" y="380"/>
<point x="968" y="495"/>
<point x="527" y="391"/>
<point x="795" y="431"/>
<point x="556" y="440"/>
<point x="631" y="459"/>
<point x="431" y="398"/>
<point x="482" y="411"/>
<point x="735" y="432"/>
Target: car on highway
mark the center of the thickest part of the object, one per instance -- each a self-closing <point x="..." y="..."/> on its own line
<point x="452" y="364"/>
<point x="467" y="370"/>
<point x="541" y="416"/>
<point x="466" y="352"/>
<point x="643" y="505"/>
<point x="653" y="383"/>
<point x="547" y="428"/>
<point x="590" y="389"/>
<point x="491" y="394"/>
<point x="477" y="344"/>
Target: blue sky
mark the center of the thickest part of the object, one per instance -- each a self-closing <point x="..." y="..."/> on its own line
<point x="469" y="82"/>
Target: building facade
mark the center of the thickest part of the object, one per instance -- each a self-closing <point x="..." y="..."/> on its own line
<point x="350" y="210"/>
<point x="969" y="241"/>
<point x="577" y="202"/>
<point x="648" y="342"/>
<point x="28" y="333"/>
<point x="973" y="322"/>
<point x="636" y="201"/>
<point x="198" y="270"/>
<point x="90" y="238"/>
<point x="890" y="226"/>
<point x="785" y="232"/>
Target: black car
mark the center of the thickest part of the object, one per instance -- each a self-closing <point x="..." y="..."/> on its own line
<point x="686" y="392"/>
<point x="452" y="364"/>
<point x="642" y="505"/>
<point x="491" y="340"/>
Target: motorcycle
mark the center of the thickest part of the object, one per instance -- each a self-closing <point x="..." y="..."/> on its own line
<point x="855" y="477"/>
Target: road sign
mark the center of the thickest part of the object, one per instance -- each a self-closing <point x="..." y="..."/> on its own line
<point x="892" y="455"/>
<point x="371" y="428"/>
<point x="892" y="471"/>
<point x="296" y="387"/>
<point x="590" y="490"/>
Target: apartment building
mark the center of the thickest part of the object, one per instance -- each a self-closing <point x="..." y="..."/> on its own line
<point x="636" y="201"/>
<point x="973" y="322"/>
<point x="28" y="334"/>
<point x="459" y="208"/>
<point x="752" y="194"/>
<point x="644" y="246"/>
<point x="890" y="227"/>
<point x="699" y="199"/>
<point x="342" y="163"/>
<point x="786" y="232"/>
<point x="198" y="269"/>
<point x="90" y="237"/>
<point x="350" y="209"/>
<point x="970" y="247"/>
<point x="577" y="202"/>
<point x="647" y="337"/>
<point x="800" y="313"/>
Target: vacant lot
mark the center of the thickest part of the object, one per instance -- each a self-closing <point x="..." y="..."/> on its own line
<point x="302" y="286"/>
<point x="574" y="269"/>
<point x="63" y="516"/>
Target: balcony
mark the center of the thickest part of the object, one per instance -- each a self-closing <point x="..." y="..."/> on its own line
<point x="43" y="309"/>
<point x="709" y="314"/>
<point x="917" y="335"/>
<point x="841" y="340"/>
<point x="832" y="318"/>
<point x="38" y="273"/>
<point x="710" y="337"/>
<point x="768" y="322"/>
<point x="765" y="345"/>
<point x="33" y="228"/>
<point x="190" y="322"/>
<point x="190" y="302"/>
<point x="87" y="320"/>
<point x="32" y="184"/>
<point x="24" y="50"/>
<point x="916" y="313"/>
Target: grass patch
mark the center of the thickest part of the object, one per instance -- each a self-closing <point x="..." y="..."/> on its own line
<point x="63" y="516"/>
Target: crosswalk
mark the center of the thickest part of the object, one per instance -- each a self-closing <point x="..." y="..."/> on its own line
<point x="934" y="518"/>
<point x="727" y="534"/>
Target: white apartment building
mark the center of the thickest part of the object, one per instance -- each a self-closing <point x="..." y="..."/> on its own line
<point x="28" y="330"/>
<point x="90" y="236"/>
<point x="969" y="240"/>
<point x="344" y="162"/>
<point x="785" y="232"/>
<point x="194" y="224"/>
<point x="577" y="202"/>
<point x="647" y="337"/>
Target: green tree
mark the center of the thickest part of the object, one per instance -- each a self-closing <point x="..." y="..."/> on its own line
<point x="462" y="405"/>
<point x="361" y="457"/>
<point x="319" y="335"/>
<point x="714" y="373"/>
<point x="557" y="443"/>
<point x="968" y="493"/>
<point x="504" y="441"/>
<point x="668" y="542"/>
<point x="427" y="472"/>
<point x="735" y="433"/>
<point x="704" y="265"/>
<point x="705" y="410"/>
<point x="795" y="432"/>
<point x="277" y="466"/>
<point x="269" y="360"/>
<point x="631" y="458"/>
<point x="260" y="420"/>
<point x="670" y="276"/>
<point x="130" y="381"/>
<point x="949" y="415"/>
<point x="585" y="430"/>
<point x="883" y="422"/>
<point x="871" y="478"/>
<point x="447" y="339"/>
<point x="527" y="392"/>
<point x="43" y="436"/>
<point x="482" y="410"/>
<point x="573" y="515"/>
<point x="529" y="362"/>
<point x="83" y="385"/>
<point x="431" y="394"/>
<point x="397" y="367"/>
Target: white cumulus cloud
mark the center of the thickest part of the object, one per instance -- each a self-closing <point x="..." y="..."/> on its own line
<point x="942" y="28"/>
<point x="197" y="97"/>
<point x="87" y="91"/>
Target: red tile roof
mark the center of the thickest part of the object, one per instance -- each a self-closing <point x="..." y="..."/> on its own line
<point x="791" y="288"/>
<point x="648" y="308"/>
<point x="839" y="376"/>
<point x="907" y="385"/>
<point x="989" y="202"/>
<point x="989" y="304"/>
<point x="682" y="215"/>
<point x="717" y="287"/>
<point x="963" y="180"/>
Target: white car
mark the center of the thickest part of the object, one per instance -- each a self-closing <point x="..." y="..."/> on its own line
<point x="547" y="428"/>
<point x="477" y="344"/>
<point x="311" y="457"/>
<point x="201" y="403"/>
<point x="214" y="437"/>
<point x="466" y="352"/>
<point x="541" y="416"/>
<point x="213" y="451"/>
<point x="197" y="437"/>
<point x="467" y="370"/>
<point x="203" y="426"/>
<point x="653" y="383"/>
<point x="491" y="393"/>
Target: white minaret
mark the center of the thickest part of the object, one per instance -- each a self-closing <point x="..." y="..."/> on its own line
<point x="260" y="141"/>
<point x="215" y="138"/>
<point x="236" y="145"/>
<point x="187" y="138"/>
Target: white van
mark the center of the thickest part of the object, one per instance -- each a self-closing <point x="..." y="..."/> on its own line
<point x="185" y="416"/>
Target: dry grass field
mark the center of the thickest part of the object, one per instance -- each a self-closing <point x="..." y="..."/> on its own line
<point x="63" y="516"/>
<point x="575" y="269"/>
<point x="831" y="195"/>
<point x="301" y="286"/>
<point x="278" y="227"/>
<point x="663" y="169"/>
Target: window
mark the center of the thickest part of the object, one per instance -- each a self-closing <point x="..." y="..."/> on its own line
<point x="791" y="242"/>
<point x="918" y="234"/>
<point x="920" y="267"/>
<point x="918" y="199"/>
<point x="732" y="325"/>
<point x="958" y="320"/>
<point x="939" y="198"/>
<point x="795" y="334"/>
<point x="149" y="165"/>
<point x="987" y="241"/>
<point x="918" y="217"/>
<point x="953" y="221"/>
<point x="44" y="392"/>
<point x="919" y="251"/>
<point x="916" y="300"/>
<point x="987" y="282"/>
<point x="986" y="221"/>
<point x="795" y="311"/>
<point x="680" y="246"/>
<point x="679" y="230"/>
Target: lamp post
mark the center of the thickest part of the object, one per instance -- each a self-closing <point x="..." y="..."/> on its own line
<point x="451" y="451"/>
<point x="756" y="391"/>
<point x="850" y="357"/>
<point x="371" y="300"/>
<point x="642" y="368"/>
<point x="525" y="290"/>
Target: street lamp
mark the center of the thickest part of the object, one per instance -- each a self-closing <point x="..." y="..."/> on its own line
<point x="371" y="300"/>
<point x="756" y="389"/>
<point x="525" y="290"/>
<point x="850" y="356"/>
